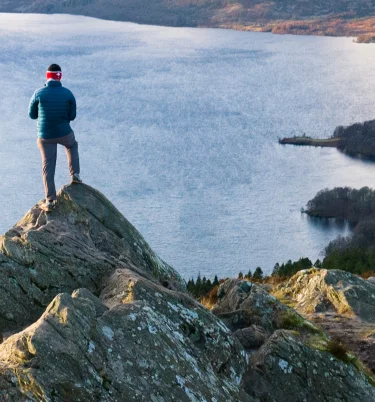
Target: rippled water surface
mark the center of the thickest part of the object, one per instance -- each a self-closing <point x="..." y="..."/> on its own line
<point x="179" y="127"/>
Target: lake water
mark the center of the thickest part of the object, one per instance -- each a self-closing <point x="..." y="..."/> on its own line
<point x="178" y="127"/>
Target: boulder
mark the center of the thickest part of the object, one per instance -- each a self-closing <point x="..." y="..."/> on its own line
<point x="321" y="290"/>
<point x="136" y="351"/>
<point x="77" y="245"/>
<point x="251" y="337"/>
<point x="284" y="369"/>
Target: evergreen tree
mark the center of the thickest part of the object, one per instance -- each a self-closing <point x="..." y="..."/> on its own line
<point x="198" y="286"/>
<point x="258" y="274"/>
<point x="318" y="263"/>
<point x="249" y="275"/>
<point x="215" y="282"/>
<point x="276" y="269"/>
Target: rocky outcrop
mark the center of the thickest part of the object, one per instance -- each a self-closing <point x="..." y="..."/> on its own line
<point x="321" y="290"/>
<point x="128" y="333"/>
<point x="77" y="245"/>
<point x="285" y="369"/>
<point x="340" y="303"/>
<point x="292" y="360"/>
<point x="246" y="305"/>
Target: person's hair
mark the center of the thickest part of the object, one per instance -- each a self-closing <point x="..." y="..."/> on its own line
<point x="54" y="67"/>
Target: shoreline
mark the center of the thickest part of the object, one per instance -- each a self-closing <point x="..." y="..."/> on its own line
<point x="313" y="142"/>
<point x="360" y="29"/>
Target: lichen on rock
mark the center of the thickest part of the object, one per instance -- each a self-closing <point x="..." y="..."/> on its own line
<point x="285" y="369"/>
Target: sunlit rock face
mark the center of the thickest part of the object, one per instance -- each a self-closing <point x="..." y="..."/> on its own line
<point x="129" y="332"/>
<point x="321" y="290"/>
<point x="246" y="305"/>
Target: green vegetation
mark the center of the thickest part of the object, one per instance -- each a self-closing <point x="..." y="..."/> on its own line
<point x="291" y="320"/>
<point x="290" y="268"/>
<point x="258" y="275"/>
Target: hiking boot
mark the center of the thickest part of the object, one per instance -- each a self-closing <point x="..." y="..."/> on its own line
<point x="48" y="206"/>
<point x="76" y="179"/>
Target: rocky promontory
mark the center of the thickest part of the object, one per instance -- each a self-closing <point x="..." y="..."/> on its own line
<point x="101" y="317"/>
<point x="88" y="312"/>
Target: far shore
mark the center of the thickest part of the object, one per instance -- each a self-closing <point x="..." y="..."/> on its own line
<point x="360" y="29"/>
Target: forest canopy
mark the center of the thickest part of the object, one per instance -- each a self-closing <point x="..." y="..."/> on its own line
<point x="354" y="253"/>
<point x="358" y="138"/>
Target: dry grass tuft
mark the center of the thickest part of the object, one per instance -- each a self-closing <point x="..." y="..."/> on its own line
<point x="210" y="299"/>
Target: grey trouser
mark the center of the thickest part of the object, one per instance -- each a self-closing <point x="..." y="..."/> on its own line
<point x="48" y="149"/>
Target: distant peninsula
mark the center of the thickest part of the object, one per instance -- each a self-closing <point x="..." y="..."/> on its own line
<point x="356" y="139"/>
<point x="309" y="141"/>
<point x="332" y="18"/>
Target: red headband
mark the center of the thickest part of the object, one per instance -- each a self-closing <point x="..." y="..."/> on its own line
<point x="54" y="75"/>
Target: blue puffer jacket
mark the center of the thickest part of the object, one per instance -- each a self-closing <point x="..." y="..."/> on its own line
<point x="54" y="106"/>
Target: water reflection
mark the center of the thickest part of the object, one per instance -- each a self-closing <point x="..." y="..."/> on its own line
<point x="330" y="224"/>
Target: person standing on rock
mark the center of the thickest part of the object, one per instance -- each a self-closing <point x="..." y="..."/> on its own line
<point x="55" y="107"/>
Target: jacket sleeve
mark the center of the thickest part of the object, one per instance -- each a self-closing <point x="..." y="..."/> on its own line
<point x="72" y="108"/>
<point x="33" y="107"/>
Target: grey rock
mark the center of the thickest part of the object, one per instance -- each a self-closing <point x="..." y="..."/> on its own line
<point x="135" y="351"/>
<point x="251" y="337"/>
<point x="286" y="370"/>
<point x="78" y="244"/>
<point x="83" y="293"/>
